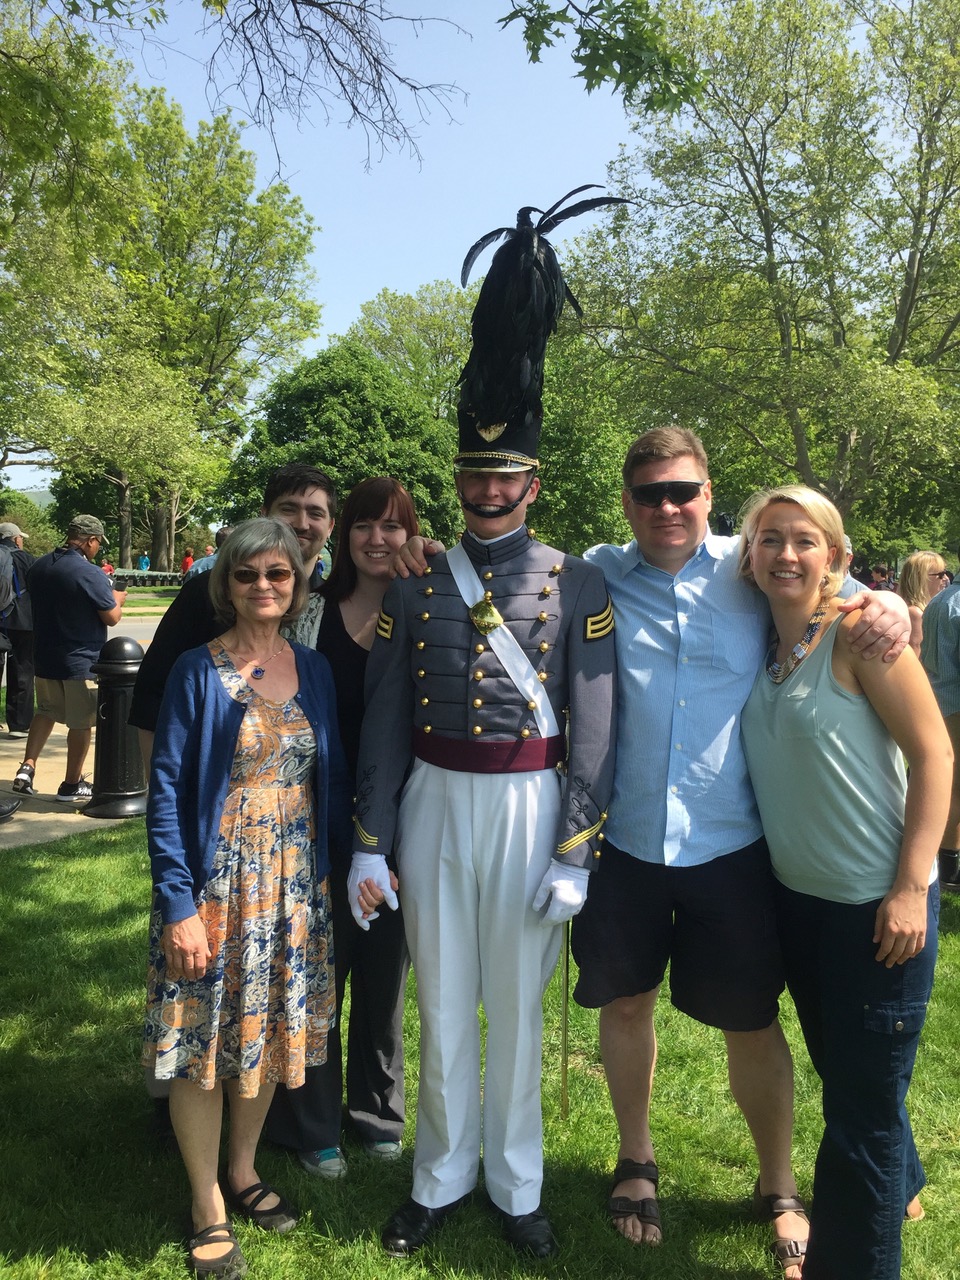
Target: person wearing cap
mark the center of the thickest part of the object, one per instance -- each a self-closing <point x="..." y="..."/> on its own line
<point x="17" y="626"/>
<point x="485" y="761"/>
<point x="73" y="605"/>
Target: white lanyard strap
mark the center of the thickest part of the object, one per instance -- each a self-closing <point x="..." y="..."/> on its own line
<point x="505" y="645"/>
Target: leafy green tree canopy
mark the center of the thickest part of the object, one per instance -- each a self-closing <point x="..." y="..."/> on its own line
<point x="347" y="413"/>
<point x="42" y="534"/>
<point x="788" y="280"/>
<point x="423" y="337"/>
<point x="621" y="43"/>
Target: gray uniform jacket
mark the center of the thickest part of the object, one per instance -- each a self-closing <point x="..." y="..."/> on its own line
<point x="431" y="669"/>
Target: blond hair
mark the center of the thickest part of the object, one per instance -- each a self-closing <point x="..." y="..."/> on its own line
<point x="913" y="585"/>
<point x="815" y="507"/>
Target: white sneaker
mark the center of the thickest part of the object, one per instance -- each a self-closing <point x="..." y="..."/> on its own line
<point x="384" y="1150"/>
<point x="328" y="1163"/>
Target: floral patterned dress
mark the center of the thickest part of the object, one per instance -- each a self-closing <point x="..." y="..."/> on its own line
<point x="263" y="1010"/>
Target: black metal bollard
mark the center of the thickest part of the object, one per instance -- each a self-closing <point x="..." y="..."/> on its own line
<point x="119" y="786"/>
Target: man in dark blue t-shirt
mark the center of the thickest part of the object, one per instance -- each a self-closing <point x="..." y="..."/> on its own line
<point x="73" y="604"/>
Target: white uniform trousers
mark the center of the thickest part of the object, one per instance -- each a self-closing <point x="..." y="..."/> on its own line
<point x="472" y="850"/>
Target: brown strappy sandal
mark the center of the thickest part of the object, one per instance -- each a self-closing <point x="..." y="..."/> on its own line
<point x="788" y="1253"/>
<point x="647" y="1211"/>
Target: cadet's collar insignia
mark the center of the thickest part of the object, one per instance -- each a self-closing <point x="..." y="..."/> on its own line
<point x="485" y="616"/>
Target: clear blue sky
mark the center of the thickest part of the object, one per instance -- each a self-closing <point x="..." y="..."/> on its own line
<point x="523" y="134"/>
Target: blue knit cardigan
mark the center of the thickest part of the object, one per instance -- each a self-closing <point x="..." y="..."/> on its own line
<point x="193" y="755"/>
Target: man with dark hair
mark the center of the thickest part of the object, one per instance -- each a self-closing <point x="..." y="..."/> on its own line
<point x="73" y="605"/>
<point x="303" y="497"/>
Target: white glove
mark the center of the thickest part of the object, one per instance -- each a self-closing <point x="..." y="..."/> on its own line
<point x="566" y="889"/>
<point x="369" y="866"/>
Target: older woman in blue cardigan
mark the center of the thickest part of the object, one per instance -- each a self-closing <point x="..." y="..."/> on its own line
<point x="248" y="788"/>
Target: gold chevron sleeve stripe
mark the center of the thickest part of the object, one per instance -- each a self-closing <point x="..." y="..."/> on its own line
<point x="579" y="839"/>
<point x="598" y="625"/>
<point x="364" y="836"/>
<point x="385" y="626"/>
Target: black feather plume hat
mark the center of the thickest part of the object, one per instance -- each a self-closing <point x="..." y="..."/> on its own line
<point x="500" y="411"/>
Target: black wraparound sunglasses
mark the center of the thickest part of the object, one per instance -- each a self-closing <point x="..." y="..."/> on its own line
<point x="248" y="576"/>
<point x="677" y="492"/>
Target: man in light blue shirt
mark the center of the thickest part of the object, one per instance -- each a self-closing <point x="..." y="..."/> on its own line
<point x="685" y="875"/>
<point x="940" y="655"/>
<point x="206" y="563"/>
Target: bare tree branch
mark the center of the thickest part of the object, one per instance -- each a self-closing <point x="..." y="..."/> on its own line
<point x="285" y="55"/>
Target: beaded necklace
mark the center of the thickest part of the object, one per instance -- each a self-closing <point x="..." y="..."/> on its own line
<point x="778" y="671"/>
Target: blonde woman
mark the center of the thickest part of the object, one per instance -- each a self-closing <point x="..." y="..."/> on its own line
<point x="922" y="576"/>
<point x="853" y="846"/>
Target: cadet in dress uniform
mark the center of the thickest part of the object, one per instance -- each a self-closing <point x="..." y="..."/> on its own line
<point x="486" y="757"/>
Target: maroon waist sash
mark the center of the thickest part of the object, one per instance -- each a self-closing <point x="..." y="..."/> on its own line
<point x="524" y="755"/>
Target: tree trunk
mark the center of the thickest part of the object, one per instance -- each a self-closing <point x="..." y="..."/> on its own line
<point x="125" y="517"/>
<point x="159" y="555"/>
<point x="174" y="500"/>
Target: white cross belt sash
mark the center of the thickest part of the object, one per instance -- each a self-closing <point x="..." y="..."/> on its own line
<point x="505" y="645"/>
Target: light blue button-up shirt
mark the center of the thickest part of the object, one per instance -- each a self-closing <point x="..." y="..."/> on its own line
<point x="688" y="649"/>
<point x="940" y="651"/>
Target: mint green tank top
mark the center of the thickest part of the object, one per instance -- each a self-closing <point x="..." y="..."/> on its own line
<point x="829" y="780"/>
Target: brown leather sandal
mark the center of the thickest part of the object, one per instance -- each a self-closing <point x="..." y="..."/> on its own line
<point x="788" y="1253"/>
<point x="647" y="1211"/>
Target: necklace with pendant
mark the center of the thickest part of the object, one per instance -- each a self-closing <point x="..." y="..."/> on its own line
<point x="258" y="670"/>
<point x="778" y="671"/>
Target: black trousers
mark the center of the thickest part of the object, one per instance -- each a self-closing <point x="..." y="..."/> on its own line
<point x="19" y="660"/>
<point x="376" y="963"/>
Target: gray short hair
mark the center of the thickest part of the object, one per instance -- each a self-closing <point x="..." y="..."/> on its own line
<point x="253" y="538"/>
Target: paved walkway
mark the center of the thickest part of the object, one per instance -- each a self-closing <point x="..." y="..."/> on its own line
<point x="42" y="817"/>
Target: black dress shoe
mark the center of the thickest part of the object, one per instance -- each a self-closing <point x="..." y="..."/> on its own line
<point x="530" y="1233"/>
<point x="412" y="1226"/>
<point x="8" y="808"/>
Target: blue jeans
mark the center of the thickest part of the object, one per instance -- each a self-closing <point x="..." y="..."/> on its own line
<point x="861" y="1023"/>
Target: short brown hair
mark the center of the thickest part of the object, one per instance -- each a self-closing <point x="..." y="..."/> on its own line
<point x="297" y="478"/>
<point x="660" y="445"/>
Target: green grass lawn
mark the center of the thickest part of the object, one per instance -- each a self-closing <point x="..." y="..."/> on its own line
<point x="85" y="1192"/>
<point x="148" y="601"/>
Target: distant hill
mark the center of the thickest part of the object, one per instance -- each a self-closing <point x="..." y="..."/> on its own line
<point x="42" y="497"/>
